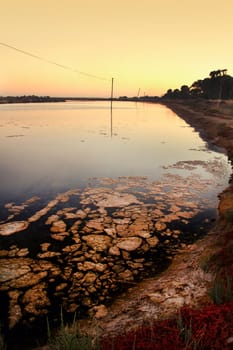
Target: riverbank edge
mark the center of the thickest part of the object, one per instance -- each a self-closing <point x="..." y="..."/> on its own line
<point x="216" y="128"/>
<point x="144" y="303"/>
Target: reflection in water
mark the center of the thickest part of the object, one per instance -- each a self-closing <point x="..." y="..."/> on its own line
<point x="111" y="119"/>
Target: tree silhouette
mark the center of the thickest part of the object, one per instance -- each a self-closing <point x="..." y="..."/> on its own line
<point x="219" y="85"/>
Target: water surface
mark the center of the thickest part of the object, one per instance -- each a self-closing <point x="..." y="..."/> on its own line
<point x="47" y="148"/>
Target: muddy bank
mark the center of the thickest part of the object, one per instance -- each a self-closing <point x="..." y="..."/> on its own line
<point x="185" y="282"/>
<point x="214" y="122"/>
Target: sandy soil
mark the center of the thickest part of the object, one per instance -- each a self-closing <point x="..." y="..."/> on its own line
<point x="184" y="282"/>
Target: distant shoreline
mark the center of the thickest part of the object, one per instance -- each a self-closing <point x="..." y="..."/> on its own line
<point x="29" y="99"/>
<point x="44" y="99"/>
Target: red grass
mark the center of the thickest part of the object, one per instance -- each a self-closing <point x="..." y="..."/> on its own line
<point x="162" y="335"/>
<point x="211" y="327"/>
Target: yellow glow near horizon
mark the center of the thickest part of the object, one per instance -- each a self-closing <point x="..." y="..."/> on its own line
<point x="153" y="45"/>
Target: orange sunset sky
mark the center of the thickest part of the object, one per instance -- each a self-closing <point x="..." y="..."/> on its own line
<point x="153" y="45"/>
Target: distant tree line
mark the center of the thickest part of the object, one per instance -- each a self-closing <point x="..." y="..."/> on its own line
<point x="219" y="85"/>
<point x="29" y="99"/>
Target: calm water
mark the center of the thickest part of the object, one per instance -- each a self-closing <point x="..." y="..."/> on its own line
<point x="91" y="200"/>
<point x="47" y="148"/>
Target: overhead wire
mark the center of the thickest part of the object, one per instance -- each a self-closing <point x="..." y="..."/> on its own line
<point x="53" y="62"/>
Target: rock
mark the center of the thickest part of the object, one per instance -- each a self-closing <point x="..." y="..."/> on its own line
<point x="117" y="200"/>
<point x="124" y="221"/>
<point x="160" y="226"/>
<point x="98" y="242"/>
<point x="152" y="241"/>
<point x="43" y="265"/>
<point x="22" y="252"/>
<point x="89" y="278"/>
<point x="43" y="211"/>
<point x="58" y="226"/>
<point x="75" y="226"/>
<point x="15" y="313"/>
<point x="142" y="234"/>
<point x="71" y="248"/>
<point x="72" y="308"/>
<point x="70" y="216"/>
<point x="100" y="311"/>
<point x="125" y="276"/>
<point x="86" y="266"/>
<point x="125" y="255"/>
<point x="122" y="230"/>
<point x="81" y="214"/>
<point x="110" y="232"/>
<point x="114" y="251"/>
<point x="12" y="227"/>
<point x="86" y="302"/>
<point x="48" y="254"/>
<point x="139" y="228"/>
<point x="185" y="214"/>
<point x="32" y="200"/>
<point x="95" y="224"/>
<point x="36" y="301"/>
<point x="61" y="287"/>
<point x="78" y="275"/>
<point x="13" y="268"/>
<point x="100" y="267"/>
<point x="145" y="247"/>
<point x="27" y="280"/>
<point x="9" y="205"/>
<point x="134" y="265"/>
<point x="64" y="211"/>
<point x="51" y="219"/>
<point x="60" y="236"/>
<point x="45" y="246"/>
<point x="16" y="252"/>
<point x="118" y="268"/>
<point x="129" y="244"/>
<point x="76" y="238"/>
<point x="52" y="204"/>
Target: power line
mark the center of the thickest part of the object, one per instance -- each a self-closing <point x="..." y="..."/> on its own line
<point x="52" y="62"/>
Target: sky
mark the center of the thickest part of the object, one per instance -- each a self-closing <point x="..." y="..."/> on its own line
<point x="151" y="45"/>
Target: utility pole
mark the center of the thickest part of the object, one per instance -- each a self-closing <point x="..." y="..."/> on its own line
<point x="112" y="89"/>
<point x="111" y="103"/>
